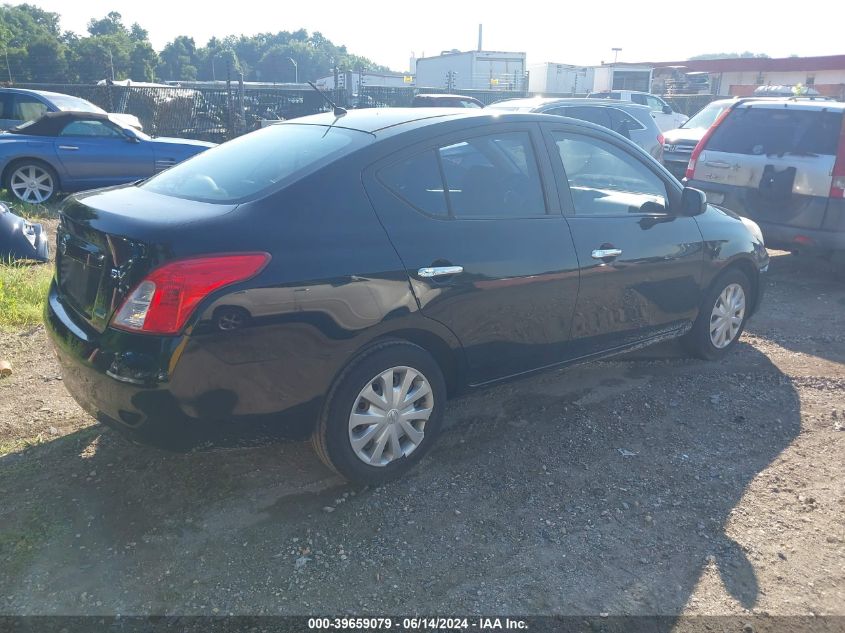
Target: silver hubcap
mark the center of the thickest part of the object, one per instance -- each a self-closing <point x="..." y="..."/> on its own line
<point x="389" y="416"/>
<point x="31" y="184"/>
<point x="727" y="316"/>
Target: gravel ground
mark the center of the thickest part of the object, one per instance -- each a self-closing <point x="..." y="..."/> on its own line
<point x="653" y="484"/>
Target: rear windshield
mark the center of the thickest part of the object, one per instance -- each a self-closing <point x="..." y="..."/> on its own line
<point x="74" y="104"/>
<point x="254" y="164"/>
<point x="770" y="131"/>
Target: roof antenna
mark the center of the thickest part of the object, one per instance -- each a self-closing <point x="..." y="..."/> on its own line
<point x="338" y="111"/>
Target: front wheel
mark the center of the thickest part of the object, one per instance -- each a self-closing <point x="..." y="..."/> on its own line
<point x="722" y="317"/>
<point x="383" y="413"/>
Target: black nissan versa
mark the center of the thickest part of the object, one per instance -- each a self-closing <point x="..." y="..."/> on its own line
<point x="353" y="270"/>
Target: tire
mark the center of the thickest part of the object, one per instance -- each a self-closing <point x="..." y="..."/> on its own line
<point x="44" y="179"/>
<point x="706" y="342"/>
<point x="401" y="446"/>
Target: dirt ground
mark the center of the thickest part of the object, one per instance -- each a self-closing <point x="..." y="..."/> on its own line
<point x="653" y="484"/>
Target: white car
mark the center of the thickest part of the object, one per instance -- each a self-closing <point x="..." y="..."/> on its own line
<point x="664" y="116"/>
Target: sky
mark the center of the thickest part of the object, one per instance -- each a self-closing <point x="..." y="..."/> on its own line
<point x="581" y="33"/>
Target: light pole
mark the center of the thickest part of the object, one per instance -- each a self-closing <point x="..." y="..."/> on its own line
<point x="295" y="69"/>
<point x="615" y="53"/>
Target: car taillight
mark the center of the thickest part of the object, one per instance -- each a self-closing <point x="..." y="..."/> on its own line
<point x="162" y="302"/>
<point x="837" y="185"/>
<point x="699" y="147"/>
<point x="661" y="139"/>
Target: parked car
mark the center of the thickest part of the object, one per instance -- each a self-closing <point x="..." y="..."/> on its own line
<point x="780" y="162"/>
<point x="18" y="105"/>
<point x="355" y="274"/>
<point x="71" y="151"/>
<point x="667" y="119"/>
<point x="678" y="144"/>
<point x="445" y="101"/>
<point x="21" y="239"/>
<point x="628" y="119"/>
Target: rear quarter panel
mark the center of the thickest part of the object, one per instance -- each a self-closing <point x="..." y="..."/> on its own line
<point x="334" y="285"/>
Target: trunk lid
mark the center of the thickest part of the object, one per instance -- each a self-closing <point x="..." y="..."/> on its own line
<point x="107" y="240"/>
<point x="782" y="157"/>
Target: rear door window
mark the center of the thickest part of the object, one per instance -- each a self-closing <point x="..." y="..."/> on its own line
<point x="769" y="131"/>
<point x="6" y="104"/>
<point x="28" y="108"/>
<point x="493" y="176"/>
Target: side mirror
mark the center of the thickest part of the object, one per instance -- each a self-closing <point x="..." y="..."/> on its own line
<point x="130" y="135"/>
<point x="667" y="109"/>
<point x="693" y="202"/>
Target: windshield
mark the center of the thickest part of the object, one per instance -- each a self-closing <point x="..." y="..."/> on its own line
<point x="705" y="117"/>
<point x="256" y="163"/>
<point x="75" y="104"/>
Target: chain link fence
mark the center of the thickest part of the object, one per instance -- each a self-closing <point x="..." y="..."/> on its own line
<point x="211" y="114"/>
<point x="220" y="113"/>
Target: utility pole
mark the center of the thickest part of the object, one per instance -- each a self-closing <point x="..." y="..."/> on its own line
<point x="295" y="69"/>
<point x="9" y="68"/>
<point x="616" y="52"/>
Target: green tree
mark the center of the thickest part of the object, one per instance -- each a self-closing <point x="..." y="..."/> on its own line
<point x="143" y="61"/>
<point x="112" y="24"/>
<point x="138" y="34"/>
<point x="46" y="61"/>
<point x="179" y="59"/>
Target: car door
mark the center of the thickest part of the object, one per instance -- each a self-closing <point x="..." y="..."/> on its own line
<point x="476" y="221"/>
<point x="95" y="153"/>
<point x="641" y="264"/>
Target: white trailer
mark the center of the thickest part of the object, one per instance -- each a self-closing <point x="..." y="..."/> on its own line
<point x="552" y="78"/>
<point x="610" y="77"/>
<point x="472" y="70"/>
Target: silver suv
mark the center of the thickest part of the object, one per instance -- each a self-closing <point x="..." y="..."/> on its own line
<point x="632" y="121"/>
<point x="780" y="162"/>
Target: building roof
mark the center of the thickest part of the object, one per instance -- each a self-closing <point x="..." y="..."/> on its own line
<point x="456" y="53"/>
<point x="756" y="64"/>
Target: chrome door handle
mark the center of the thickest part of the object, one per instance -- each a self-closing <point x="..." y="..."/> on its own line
<point x="604" y="253"/>
<point x="70" y="147"/>
<point x="440" y="271"/>
<point x="719" y="164"/>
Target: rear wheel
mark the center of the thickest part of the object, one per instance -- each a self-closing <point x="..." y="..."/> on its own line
<point x="33" y="182"/>
<point x="722" y="317"/>
<point x="382" y="414"/>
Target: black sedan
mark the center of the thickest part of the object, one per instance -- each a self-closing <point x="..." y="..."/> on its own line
<point x="352" y="271"/>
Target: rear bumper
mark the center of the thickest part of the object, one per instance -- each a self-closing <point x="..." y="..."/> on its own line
<point x="812" y="223"/>
<point x="163" y="391"/>
<point x="788" y="238"/>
